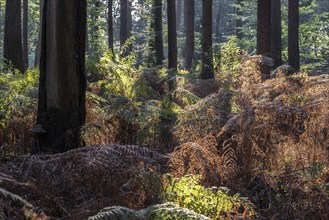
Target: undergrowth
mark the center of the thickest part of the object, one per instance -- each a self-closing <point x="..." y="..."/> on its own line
<point x="267" y="141"/>
<point x="18" y="100"/>
<point x="214" y="202"/>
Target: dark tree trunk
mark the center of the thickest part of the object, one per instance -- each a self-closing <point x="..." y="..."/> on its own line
<point x="189" y="12"/>
<point x="264" y="33"/>
<point x="62" y="86"/>
<point x="238" y="21"/>
<point x="293" y="34"/>
<point x="25" y="32"/>
<point x="38" y="49"/>
<point x="130" y="24"/>
<point x="172" y="40"/>
<point x="276" y="48"/>
<point x="13" y="45"/>
<point x="123" y="26"/>
<point x="110" y="24"/>
<point x="207" y="59"/>
<point x="158" y="39"/>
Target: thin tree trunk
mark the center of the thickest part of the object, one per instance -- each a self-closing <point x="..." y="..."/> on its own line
<point x="38" y="49"/>
<point x="13" y="45"/>
<point x="130" y="24"/>
<point x="218" y="33"/>
<point x="25" y="32"/>
<point x="158" y="39"/>
<point x="110" y="24"/>
<point x="123" y="26"/>
<point x="1" y="30"/>
<point x="94" y="47"/>
<point x="62" y="86"/>
<point x="276" y="48"/>
<point x="293" y="34"/>
<point x="207" y="54"/>
<point x="189" y="13"/>
<point x="172" y="41"/>
<point x="264" y="33"/>
<point x="238" y="21"/>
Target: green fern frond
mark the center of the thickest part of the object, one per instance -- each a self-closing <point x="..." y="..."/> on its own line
<point x="117" y="213"/>
<point x="166" y="211"/>
<point x="170" y="211"/>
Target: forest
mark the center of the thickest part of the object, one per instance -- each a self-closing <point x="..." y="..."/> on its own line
<point x="164" y="109"/>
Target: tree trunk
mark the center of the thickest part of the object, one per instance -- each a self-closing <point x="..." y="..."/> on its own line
<point x="1" y="30"/>
<point x="13" y="45"/>
<point x="110" y="24"/>
<point x="189" y="12"/>
<point x="179" y="13"/>
<point x="207" y="59"/>
<point x="123" y="26"/>
<point x="172" y="41"/>
<point x="38" y="49"/>
<point x="293" y="34"/>
<point x="238" y="21"/>
<point x="62" y="86"/>
<point x="158" y="39"/>
<point x="130" y="24"/>
<point x="25" y="32"/>
<point x="264" y="33"/>
<point x="218" y="33"/>
<point x="276" y="48"/>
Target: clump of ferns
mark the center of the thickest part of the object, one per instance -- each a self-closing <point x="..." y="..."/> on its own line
<point x="155" y="120"/>
<point x="117" y="118"/>
<point x="18" y="99"/>
<point x="213" y="202"/>
<point x="207" y="116"/>
<point x="17" y="91"/>
<point x="109" y="120"/>
<point x="185" y="198"/>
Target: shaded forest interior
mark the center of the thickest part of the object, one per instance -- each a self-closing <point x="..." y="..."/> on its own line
<point x="153" y="109"/>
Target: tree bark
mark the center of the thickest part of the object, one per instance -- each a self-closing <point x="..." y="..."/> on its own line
<point x="13" y="45"/>
<point x="158" y="39"/>
<point x="293" y="34"/>
<point x="62" y="85"/>
<point x="189" y="12"/>
<point x="238" y="21"/>
<point x="38" y="49"/>
<point x="130" y="24"/>
<point x="264" y="33"/>
<point x="276" y="48"/>
<point x="110" y="24"/>
<point x="172" y="40"/>
<point x="25" y="32"/>
<point x="123" y="26"/>
<point x="207" y="55"/>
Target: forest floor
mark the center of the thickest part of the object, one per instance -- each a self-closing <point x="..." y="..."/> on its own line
<point x="267" y="141"/>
